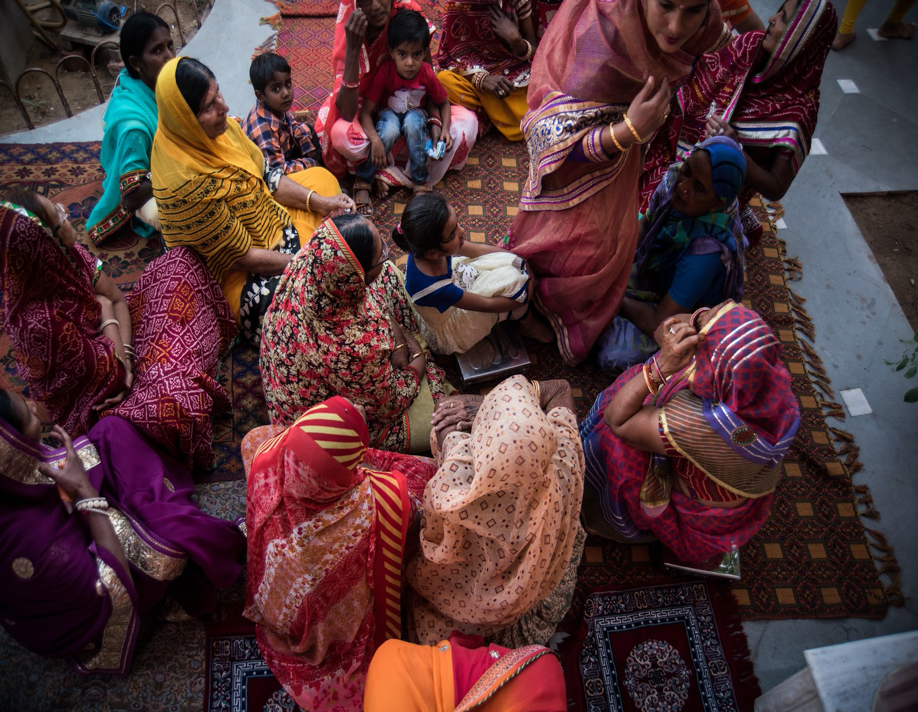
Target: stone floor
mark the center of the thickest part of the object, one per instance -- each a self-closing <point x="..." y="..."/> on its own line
<point x="871" y="143"/>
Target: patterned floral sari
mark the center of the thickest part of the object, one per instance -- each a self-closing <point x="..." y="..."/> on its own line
<point x="328" y="333"/>
<point x="726" y="421"/>
<point x="326" y="544"/>
<point x="592" y="62"/>
<point x="501" y="524"/>
<point x="771" y="102"/>
<point x="62" y="594"/>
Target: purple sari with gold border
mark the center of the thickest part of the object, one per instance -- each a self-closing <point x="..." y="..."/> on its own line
<point x="63" y="595"/>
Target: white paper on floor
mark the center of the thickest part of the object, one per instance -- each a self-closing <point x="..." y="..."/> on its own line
<point x="780" y="224"/>
<point x="817" y="149"/>
<point x="856" y="402"/>
<point x="848" y="86"/>
<point x="875" y="37"/>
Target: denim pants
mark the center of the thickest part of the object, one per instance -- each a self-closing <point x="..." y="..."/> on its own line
<point x="389" y="126"/>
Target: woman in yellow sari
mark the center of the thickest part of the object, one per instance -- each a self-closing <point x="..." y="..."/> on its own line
<point x="214" y="193"/>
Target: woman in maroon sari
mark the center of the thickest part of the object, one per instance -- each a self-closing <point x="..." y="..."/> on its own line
<point x="94" y="534"/>
<point x="87" y="352"/>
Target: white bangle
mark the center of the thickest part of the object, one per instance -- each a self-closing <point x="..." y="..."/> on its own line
<point x="91" y="503"/>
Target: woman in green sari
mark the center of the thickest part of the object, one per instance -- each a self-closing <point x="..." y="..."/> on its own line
<point x="129" y="125"/>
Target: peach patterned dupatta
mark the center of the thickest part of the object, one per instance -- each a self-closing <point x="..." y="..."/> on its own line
<point x="500" y="517"/>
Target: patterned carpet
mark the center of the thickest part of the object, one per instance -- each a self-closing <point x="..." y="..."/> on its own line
<point x="812" y="559"/>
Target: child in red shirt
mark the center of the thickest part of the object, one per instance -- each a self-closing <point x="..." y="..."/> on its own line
<point x="407" y="84"/>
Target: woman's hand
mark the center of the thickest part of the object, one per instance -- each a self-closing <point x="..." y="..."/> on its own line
<point x="355" y="30"/>
<point x="678" y="346"/>
<point x="716" y="126"/>
<point x="506" y="27"/>
<point x="331" y="207"/>
<point x="650" y="107"/>
<point x="114" y="400"/>
<point x="72" y="479"/>
<point x="455" y="413"/>
<point x="497" y="85"/>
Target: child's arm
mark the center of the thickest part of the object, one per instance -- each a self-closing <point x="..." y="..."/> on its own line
<point x="444" y="132"/>
<point x="475" y="249"/>
<point x="477" y="303"/>
<point x="377" y="150"/>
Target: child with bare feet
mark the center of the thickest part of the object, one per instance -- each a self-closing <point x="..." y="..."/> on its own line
<point x="460" y="289"/>
<point x="893" y="28"/>
<point x="410" y="90"/>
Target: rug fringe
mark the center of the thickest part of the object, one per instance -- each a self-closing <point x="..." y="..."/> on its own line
<point x="881" y="551"/>
<point x="269" y="45"/>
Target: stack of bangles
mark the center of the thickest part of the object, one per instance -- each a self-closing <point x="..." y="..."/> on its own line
<point x="653" y="376"/>
<point x="478" y="80"/>
<point x="528" y="54"/>
<point x="349" y="85"/>
<point x="92" y="505"/>
<point x="109" y="322"/>
<point x="627" y="122"/>
<point x="698" y="312"/>
<point x="129" y="350"/>
<point x="435" y="120"/>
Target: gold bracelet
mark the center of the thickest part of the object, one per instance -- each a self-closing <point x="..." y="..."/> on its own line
<point x="414" y="356"/>
<point x="308" y="198"/>
<point x="538" y="390"/>
<point x="637" y="136"/>
<point x="109" y="322"/>
<point x="403" y="345"/>
<point x="615" y="140"/>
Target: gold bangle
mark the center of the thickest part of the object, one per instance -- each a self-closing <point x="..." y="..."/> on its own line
<point x="308" y="198"/>
<point x="403" y="345"/>
<point x="615" y="140"/>
<point x="538" y="390"/>
<point x="109" y="322"/>
<point x="414" y="356"/>
<point x="647" y="382"/>
<point x="637" y="136"/>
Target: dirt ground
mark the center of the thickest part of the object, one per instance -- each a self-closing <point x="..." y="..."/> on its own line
<point x="887" y="221"/>
<point x="37" y="91"/>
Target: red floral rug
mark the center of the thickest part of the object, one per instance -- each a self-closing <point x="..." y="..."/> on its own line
<point x="677" y="646"/>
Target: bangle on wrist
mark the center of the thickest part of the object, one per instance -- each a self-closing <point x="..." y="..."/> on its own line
<point x="414" y="356"/>
<point x="663" y="378"/>
<point x="615" y="140"/>
<point x="349" y="85"/>
<point x="94" y="510"/>
<point x="308" y="199"/>
<point x="403" y="345"/>
<point x="91" y="503"/>
<point x="108" y="322"/>
<point x="435" y="121"/>
<point x="648" y="381"/>
<point x="698" y="312"/>
<point x="637" y="136"/>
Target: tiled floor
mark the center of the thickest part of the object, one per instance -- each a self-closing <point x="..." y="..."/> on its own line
<point x="871" y="144"/>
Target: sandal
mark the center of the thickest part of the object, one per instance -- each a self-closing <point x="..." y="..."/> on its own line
<point x="366" y="203"/>
<point x="422" y="189"/>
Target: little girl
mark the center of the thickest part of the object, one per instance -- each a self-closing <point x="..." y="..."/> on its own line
<point x="459" y="289"/>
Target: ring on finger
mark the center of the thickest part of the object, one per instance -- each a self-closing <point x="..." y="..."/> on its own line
<point x="672" y="330"/>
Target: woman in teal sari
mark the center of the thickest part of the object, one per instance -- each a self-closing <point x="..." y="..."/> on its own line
<point x="129" y="125"/>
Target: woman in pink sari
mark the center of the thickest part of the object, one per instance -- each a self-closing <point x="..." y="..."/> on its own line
<point x="360" y="48"/>
<point x="601" y="84"/>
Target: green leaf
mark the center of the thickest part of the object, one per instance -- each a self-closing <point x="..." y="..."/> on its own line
<point x="902" y="364"/>
<point x="911" y="396"/>
<point x="911" y="372"/>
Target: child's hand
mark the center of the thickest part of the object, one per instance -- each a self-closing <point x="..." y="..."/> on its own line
<point x="435" y="133"/>
<point x="447" y="141"/>
<point x="378" y="153"/>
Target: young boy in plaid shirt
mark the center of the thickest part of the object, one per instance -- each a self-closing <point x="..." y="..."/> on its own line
<point x="286" y="142"/>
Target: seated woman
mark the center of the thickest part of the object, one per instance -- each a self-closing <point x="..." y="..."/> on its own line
<point x="341" y="324"/>
<point x="695" y="462"/>
<point x="76" y="583"/>
<point x="691" y="251"/>
<point x="360" y="48"/>
<point x="762" y="91"/>
<point x="128" y="128"/>
<point x="501" y="538"/>
<point x="86" y="352"/>
<point x="462" y="672"/>
<point x="214" y="193"/>
<point x="485" y="57"/>
<point x="327" y="538"/>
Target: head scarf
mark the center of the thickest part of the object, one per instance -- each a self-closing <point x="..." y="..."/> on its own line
<point x="369" y="61"/>
<point x="775" y="107"/>
<point x="50" y="313"/>
<point x="313" y="517"/>
<point x="197" y="182"/>
<point x="500" y="516"/>
<point x="671" y="234"/>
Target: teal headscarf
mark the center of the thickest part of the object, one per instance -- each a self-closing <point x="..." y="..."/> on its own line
<point x="129" y="125"/>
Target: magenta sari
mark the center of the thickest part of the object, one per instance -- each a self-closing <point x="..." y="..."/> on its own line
<point x="62" y="595"/>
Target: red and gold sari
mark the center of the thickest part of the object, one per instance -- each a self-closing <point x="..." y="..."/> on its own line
<point x="326" y="539"/>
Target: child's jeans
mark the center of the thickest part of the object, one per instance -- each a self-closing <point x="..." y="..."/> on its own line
<point x="413" y="124"/>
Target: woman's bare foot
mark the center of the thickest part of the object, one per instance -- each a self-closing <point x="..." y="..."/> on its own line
<point x="841" y="41"/>
<point x="534" y="328"/>
<point x="382" y="189"/>
<point x="897" y="31"/>
<point x="362" y="199"/>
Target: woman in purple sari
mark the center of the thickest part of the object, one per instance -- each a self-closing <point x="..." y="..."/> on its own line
<point x="94" y="534"/>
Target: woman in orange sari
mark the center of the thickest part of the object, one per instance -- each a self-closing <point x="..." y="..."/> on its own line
<point x="326" y="540"/>
<point x="462" y="673"/>
<point x="601" y="84"/>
